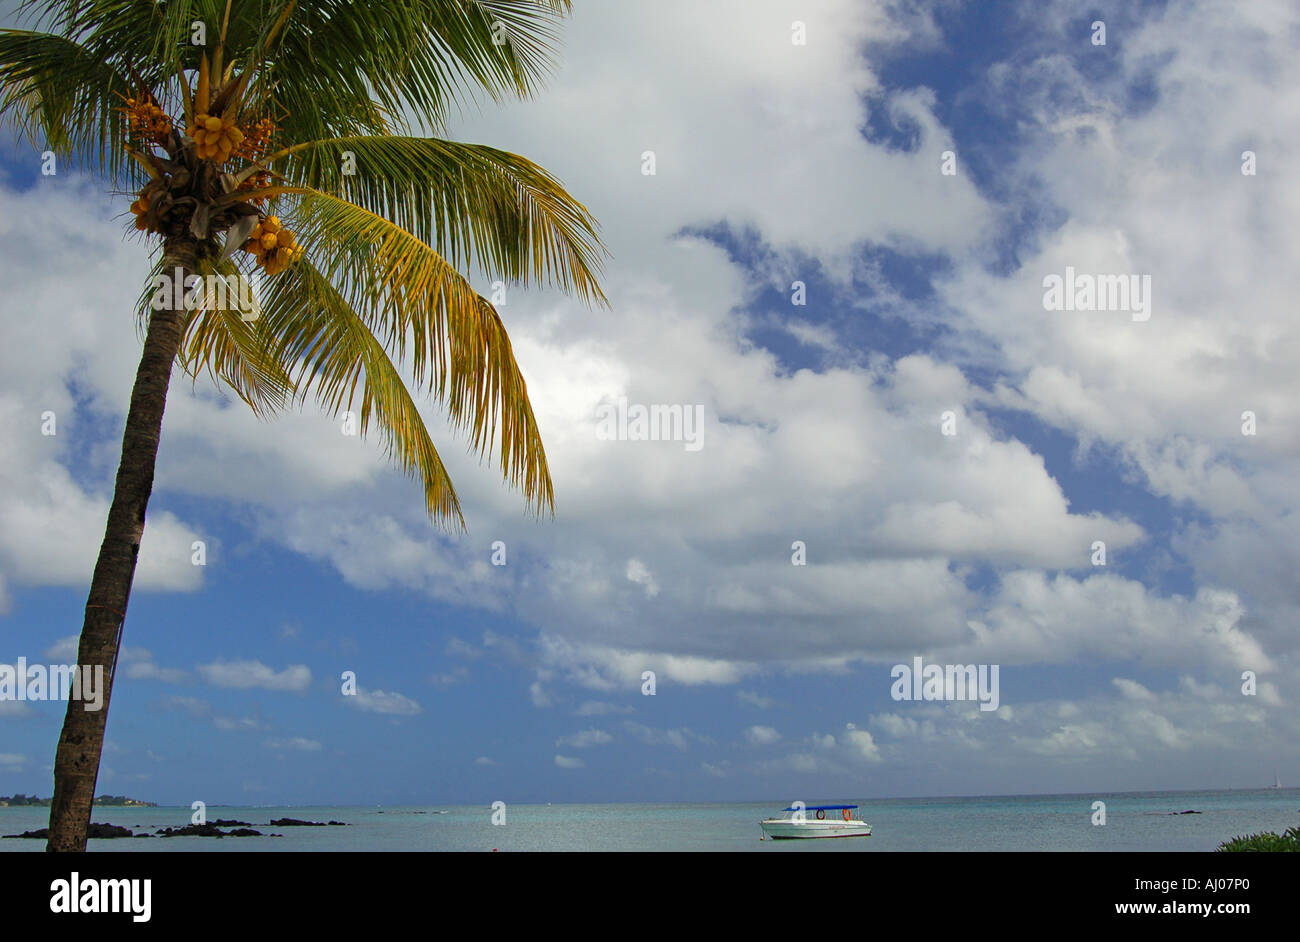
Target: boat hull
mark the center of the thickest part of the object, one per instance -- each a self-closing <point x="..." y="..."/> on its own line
<point x="783" y="829"/>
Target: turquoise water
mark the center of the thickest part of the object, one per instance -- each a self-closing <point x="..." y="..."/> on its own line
<point x="1134" y="822"/>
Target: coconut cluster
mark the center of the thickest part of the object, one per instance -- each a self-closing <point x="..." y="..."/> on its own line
<point x="274" y="246"/>
<point x="147" y="120"/>
<point x="184" y="198"/>
<point x="149" y="205"/>
<point x="215" y="138"/>
<point x="257" y="140"/>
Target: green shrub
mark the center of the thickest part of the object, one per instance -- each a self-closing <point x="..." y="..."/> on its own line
<point x="1289" y="841"/>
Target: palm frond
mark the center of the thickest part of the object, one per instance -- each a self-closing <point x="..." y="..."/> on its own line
<point x="413" y="299"/>
<point x="58" y="94"/>
<point x="336" y="352"/>
<point x="464" y="199"/>
<point x="239" y="353"/>
<point x="419" y="56"/>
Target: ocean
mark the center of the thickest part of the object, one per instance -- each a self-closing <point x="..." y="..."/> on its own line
<point x="1145" y="821"/>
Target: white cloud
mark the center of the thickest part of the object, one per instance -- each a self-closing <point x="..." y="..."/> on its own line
<point x="148" y="670"/>
<point x="762" y="735"/>
<point x="53" y="327"/>
<point x="585" y="739"/>
<point x="191" y="705"/>
<point x="638" y="573"/>
<point x="245" y="675"/>
<point x="379" y="701"/>
<point x="134" y="663"/>
<point x="863" y="744"/>
<point x="680" y="738"/>
<point x="568" y="762"/>
<point x="755" y="699"/>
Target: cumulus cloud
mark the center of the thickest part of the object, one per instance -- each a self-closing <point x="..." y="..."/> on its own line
<point x="680" y="738"/>
<point x="585" y="739"/>
<point x="51" y="523"/>
<point x="133" y="663"/>
<point x="862" y="744"/>
<point x="244" y="675"/>
<point x="379" y="701"/>
<point x="191" y="705"/>
<point x="762" y="735"/>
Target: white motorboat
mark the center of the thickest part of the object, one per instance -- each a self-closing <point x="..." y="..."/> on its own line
<point x="816" y="821"/>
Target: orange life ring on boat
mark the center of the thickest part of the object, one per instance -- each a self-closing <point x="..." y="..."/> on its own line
<point x="845" y="812"/>
<point x="821" y="815"/>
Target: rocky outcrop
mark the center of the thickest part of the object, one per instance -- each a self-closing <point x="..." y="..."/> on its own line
<point x="192" y="830"/>
<point x="96" y="831"/>
<point x="207" y="830"/>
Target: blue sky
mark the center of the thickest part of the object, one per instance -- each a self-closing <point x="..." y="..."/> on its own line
<point x="776" y="163"/>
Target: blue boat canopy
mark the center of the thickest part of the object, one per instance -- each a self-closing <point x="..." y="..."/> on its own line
<point x="824" y="808"/>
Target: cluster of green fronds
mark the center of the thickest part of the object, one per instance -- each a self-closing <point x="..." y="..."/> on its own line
<point x="1286" y="842"/>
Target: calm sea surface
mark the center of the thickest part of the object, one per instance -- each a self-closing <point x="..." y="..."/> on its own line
<point x="1134" y="822"/>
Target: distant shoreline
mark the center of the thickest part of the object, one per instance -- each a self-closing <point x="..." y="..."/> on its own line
<point x="103" y="801"/>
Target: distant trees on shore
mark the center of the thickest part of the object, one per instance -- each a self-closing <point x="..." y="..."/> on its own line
<point x="121" y="800"/>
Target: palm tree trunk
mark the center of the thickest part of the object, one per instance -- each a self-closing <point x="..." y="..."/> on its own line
<point x="76" y="765"/>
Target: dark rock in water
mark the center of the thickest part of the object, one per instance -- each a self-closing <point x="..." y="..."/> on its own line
<point x="1182" y="812"/>
<point x="295" y="823"/>
<point x="97" y="831"/>
<point x="191" y="830"/>
<point x="108" y="830"/>
<point x="223" y="823"/>
<point x="43" y="834"/>
<point x="341" y="824"/>
<point x="207" y="830"/>
<point x="144" y="835"/>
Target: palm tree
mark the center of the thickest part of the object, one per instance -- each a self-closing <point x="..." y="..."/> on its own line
<point x="286" y="131"/>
